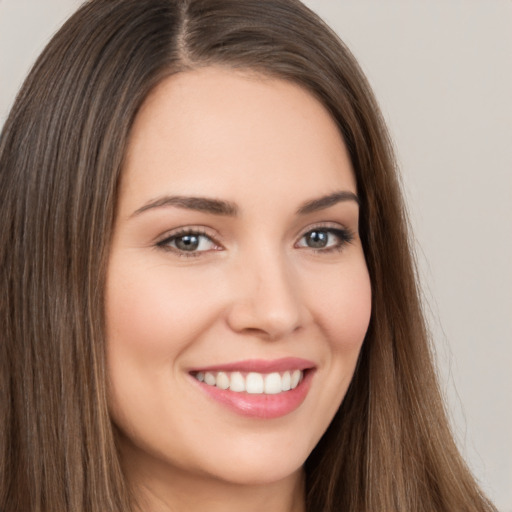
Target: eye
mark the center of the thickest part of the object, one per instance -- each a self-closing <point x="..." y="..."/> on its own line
<point x="188" y="243"/>
<point x="326" y="239"/>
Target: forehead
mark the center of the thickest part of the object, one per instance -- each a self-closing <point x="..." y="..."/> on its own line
<point x="228" y="132"/>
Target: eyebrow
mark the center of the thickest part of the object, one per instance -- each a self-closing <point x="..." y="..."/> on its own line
<point x="201" y="204"/>
<point x="327" y="201"/>
<point x="227" y="208"/>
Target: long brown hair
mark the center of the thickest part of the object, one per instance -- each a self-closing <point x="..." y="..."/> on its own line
<point x="389" y="447"/>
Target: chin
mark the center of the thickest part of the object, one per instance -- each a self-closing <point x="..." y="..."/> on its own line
<point x="259" y="464"/>
<point x="257" y="474"/>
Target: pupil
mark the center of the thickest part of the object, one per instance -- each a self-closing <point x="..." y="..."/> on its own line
<point x="317" y="239"/>
<point x="187" y="242"/>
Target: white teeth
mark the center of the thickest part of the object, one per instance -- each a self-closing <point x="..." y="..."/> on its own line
<point x="222" y="380"/>
<point x="237" y="382"/>
<point x="210" y="379"/>
<point x="273" y="384"/>
<point x="296" y="377"/>
<point x="253" y="383"/>
<point x="286" y="381"/>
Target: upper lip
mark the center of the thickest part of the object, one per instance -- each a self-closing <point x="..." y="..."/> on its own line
<point x="260" y="365"/>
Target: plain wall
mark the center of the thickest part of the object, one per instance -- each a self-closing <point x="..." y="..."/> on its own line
<point x="441" y="70"/>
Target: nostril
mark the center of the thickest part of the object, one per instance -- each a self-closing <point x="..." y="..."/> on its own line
<point x="263" y="321"/>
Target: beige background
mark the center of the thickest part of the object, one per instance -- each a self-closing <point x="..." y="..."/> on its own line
<point x="442" y="72"/>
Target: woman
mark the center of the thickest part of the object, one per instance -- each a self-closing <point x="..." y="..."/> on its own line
<point x="210" y="298"/>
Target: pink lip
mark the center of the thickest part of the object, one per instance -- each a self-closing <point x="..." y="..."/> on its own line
<point x="260" y="405"/>
<point x="259" y="365"/>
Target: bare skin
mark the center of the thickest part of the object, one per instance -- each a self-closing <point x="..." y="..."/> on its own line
<point x="236" y="240"/>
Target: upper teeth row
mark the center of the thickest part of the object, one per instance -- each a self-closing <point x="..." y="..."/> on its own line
<point x="255" y="383"/>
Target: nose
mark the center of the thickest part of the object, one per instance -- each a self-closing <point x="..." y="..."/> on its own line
<point x="267" y="302"/>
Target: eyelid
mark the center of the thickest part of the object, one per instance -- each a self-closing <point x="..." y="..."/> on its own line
<point x="163" y="241"/>
<point x="344" y="233"/>
<point x="326" y="225"/>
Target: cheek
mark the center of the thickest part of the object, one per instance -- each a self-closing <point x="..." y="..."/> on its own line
<point x="155" y="313"/>
<point x="153" y="316"/>
<point x="341" y="304"/>
<point x="343" y="308"/>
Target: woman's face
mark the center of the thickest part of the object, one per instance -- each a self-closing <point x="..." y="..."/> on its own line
<point x="237" y="293"/>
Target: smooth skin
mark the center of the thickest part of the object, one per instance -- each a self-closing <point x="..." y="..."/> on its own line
<point x="264" y="282"/>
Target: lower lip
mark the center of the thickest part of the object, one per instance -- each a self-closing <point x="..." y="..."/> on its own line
<point x="261" y="405"/>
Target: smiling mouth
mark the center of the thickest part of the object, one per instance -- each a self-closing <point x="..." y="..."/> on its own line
<point x="253" y="383"/>
<point x="255" y="394"/>
<point x="256" y="388"/>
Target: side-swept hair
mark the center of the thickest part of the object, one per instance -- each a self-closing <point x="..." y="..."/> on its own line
<point x="389" y="447"/>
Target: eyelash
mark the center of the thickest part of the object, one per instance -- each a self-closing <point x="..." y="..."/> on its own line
<point x="165" y="243"/>
<point x="344" y="236"/>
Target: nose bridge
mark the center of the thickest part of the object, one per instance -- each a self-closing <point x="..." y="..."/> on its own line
<point x="267" y="299"/>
